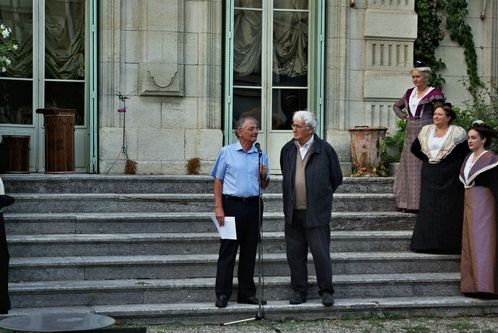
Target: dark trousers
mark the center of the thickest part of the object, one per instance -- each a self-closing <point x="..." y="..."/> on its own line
<point x="247" y="225"/>
<point x="297" y="240"/>
<point x="4" y="270"/>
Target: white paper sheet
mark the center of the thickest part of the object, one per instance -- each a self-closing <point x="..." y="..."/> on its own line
<point x="227" y="231"/>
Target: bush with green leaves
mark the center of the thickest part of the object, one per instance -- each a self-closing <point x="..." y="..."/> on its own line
<point x="7" y="47"/>
<point x="483" y="107"/>
<point x="391" y="146"/>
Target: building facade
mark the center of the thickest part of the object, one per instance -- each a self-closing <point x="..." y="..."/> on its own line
<point x="186" y="70"/>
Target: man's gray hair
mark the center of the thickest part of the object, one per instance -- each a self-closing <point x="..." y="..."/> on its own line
<point x="308" y="118"/>
<point x="240" y="123"/>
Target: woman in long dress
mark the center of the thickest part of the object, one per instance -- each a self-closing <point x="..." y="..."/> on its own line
<point x="442" y="148"/>
<point x="416" y="107"/>
<point x="479" y="174"/>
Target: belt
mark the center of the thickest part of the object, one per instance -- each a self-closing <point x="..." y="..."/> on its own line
<point x="243" y="199"/>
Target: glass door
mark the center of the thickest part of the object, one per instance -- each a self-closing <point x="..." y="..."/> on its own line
<point x="47" y="71"/>
<point x="274" y="62"/>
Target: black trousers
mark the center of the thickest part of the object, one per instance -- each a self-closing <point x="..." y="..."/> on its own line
<point x="247" y="225"/>
<point x="297" y="240"/>
<point x="4" y="269"/>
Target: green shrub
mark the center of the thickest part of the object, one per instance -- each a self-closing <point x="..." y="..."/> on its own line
<point x="391" y="146"/>
<point x="484" y="107"/>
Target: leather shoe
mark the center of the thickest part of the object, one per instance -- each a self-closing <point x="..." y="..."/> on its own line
<point x="327" y="299"/>
<point x="297" y="298"/>
<point x="250" y="300"/>
<point x="221" y="301"/>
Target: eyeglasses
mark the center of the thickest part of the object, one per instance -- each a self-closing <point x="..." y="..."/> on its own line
<point x="295" y="126"/>
<point x="251" y="129"/>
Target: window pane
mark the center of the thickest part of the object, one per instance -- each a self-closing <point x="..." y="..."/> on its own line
<point x="246" y="102"/>
<point x="248" y="3"/>
<point x="290" y="49"/>
<point x="290" y="4"/>
<point x="66" y="95"/>
<point x="285" y="103"/>
<point x="18" y="15"/>
<point x="65" y="39"/>
<point x="247" y="48"/>
<point x="16" y="102"/>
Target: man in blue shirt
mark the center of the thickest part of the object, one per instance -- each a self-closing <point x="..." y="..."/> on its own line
<point x="237" y="182"/>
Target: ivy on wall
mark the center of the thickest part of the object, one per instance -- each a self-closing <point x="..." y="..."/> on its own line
<point x="461" y="32"/>
<point x="430" y="34"/>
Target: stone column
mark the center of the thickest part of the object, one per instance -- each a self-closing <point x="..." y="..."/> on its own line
<point x="390" y="30"/>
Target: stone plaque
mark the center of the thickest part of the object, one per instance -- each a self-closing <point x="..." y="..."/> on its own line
<point x="162" y="67"/>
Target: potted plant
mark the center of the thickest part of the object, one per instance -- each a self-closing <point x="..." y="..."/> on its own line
<point x="365" y="150"/>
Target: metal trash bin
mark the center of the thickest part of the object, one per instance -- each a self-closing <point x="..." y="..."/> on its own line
<point x="16" y="151"/>
<point x="59" y="139"/>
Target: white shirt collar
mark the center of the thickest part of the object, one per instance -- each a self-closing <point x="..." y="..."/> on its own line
<point x="304" y="148"/>
<point x="307" y="144"/>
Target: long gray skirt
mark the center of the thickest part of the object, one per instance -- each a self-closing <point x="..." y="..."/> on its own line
<point x="407" y="181"/>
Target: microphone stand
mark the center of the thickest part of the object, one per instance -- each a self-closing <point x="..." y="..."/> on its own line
<point x="261" y="282"/>
<point x="123" y="152"/>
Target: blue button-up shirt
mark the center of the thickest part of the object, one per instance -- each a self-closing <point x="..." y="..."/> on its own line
<point x="238" y="170"/>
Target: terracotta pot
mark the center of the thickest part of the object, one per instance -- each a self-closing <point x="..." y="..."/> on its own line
<point x="365" y="152"/>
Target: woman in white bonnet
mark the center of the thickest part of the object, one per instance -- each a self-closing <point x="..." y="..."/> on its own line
<point x="5" y="201"/>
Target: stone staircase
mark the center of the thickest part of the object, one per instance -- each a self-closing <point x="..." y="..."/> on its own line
<point x="143" y="250"/>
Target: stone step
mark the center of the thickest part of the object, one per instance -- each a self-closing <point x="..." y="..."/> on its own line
<point x="88" y="183"/>
<point x="64" y="245"/>
<point x="205" y="312"/>
<point x="118" y="292"/>
<point x="197" y="266"/>
<point x="179" y="202"/>
<point x="89" y="223"/>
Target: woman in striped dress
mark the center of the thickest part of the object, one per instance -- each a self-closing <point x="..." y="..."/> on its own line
<point x="416" y="107"/>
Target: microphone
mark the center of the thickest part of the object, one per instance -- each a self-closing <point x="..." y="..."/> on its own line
<point x="121" y="96"/>
<point x="258" y="147"/>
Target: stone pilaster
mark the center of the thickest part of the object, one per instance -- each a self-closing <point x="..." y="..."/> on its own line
<point x="389" y="33"/>
<point x="165" y="55"/>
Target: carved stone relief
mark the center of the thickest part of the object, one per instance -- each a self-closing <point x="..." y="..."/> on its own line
<point x="162" y="67"/>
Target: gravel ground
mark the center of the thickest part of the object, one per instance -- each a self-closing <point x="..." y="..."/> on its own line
<point x="374" y="325"/>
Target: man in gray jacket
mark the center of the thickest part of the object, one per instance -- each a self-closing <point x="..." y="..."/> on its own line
<point x="311" y="174"/>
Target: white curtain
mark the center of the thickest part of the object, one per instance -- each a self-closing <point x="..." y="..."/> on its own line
<point x="290" y="42"/>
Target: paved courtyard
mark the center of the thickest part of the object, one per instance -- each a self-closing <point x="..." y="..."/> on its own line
<point x="369" y="325"/>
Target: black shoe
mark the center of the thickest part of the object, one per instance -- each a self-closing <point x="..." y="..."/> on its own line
<point x="221" y="301"/>
<point x="297" y="298"/>
<point x="250" y="300"/>
<point x="327" y="299"/>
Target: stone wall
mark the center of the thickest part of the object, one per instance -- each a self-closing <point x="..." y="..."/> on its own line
<point x="482" y="19"/>
<point x="369" y="56"/>
<point x="165" y="55"/>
